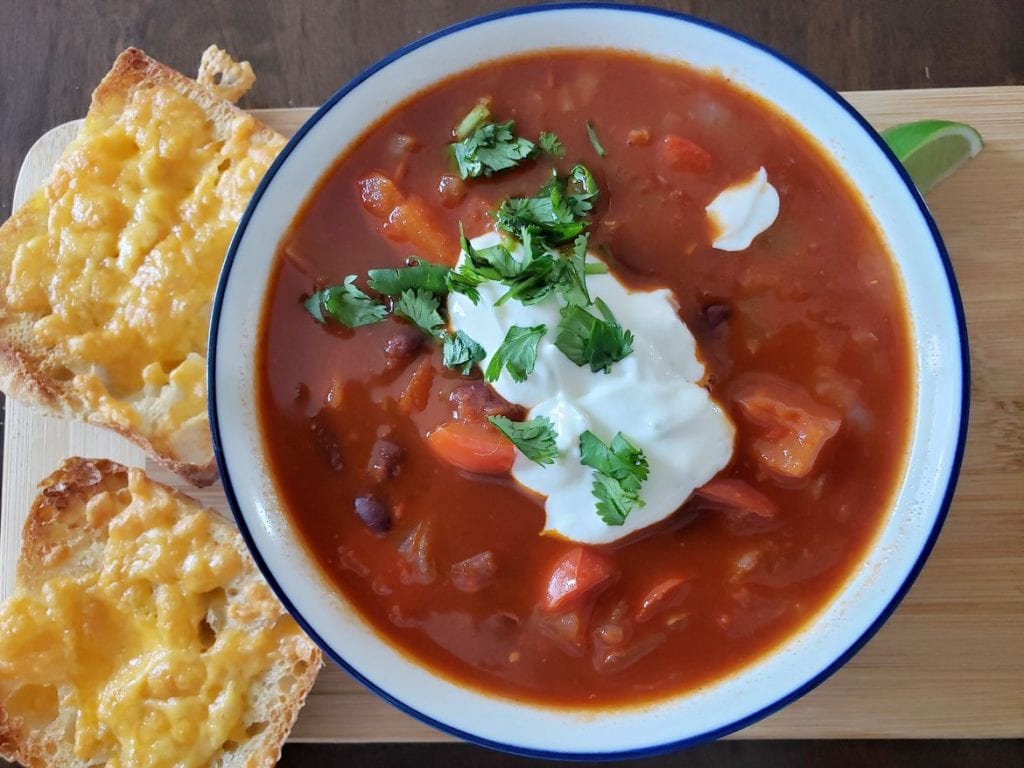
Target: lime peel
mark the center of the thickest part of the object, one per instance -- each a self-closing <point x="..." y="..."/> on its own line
<point x="931" y="150"/>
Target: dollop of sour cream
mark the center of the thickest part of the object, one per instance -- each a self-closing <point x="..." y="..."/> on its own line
<point x="652" y="397"/>
<point x="743" y="211"/>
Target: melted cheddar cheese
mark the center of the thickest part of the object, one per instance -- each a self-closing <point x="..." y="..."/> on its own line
<point x="155" y="651"/>
<point x="119" y="271"/>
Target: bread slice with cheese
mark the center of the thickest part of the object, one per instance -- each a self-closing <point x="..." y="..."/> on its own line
<point x="142" y="634"/>
<point x="107" y="274"/>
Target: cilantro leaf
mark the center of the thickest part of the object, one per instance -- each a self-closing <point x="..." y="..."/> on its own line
<point x="461" y="352"/>
<point x="620" y="469"/>
<point x="492" y="263"/>
<point x="597" y="341"/>
<point x="592" y="135"/>
<point x="553" y="215"/>
<point x="465" y="280"/>
<point x="420" y="307"/>
<point x="550" y="143"/>
<point x="492" y="147"/>
<point x="583" y="190"/>
<point x="535" y="438"/>
<point x="423" y="274"/>
<point x="613" y="504"/>
<point x="344" y="304"/>
<point x="572" y="284"/>
<point x="517" y="353"/>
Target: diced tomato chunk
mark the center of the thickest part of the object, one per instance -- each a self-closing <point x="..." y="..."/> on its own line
<point x="738" y="495"/>
<point x="683" y="155"/>
<point x="579" y="573"/>
<point x="413" y="222"/>
<point x="379" y="194"/>
<point x="406" y="219"/>
<point x="796" y="427"/>
<point x="666" y="594"/>
<point x="473" y="446"/>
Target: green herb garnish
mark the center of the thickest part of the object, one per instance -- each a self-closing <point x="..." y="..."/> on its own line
<point x="344" y="304"/>
<point x="619" y="471"/>
<point x="461" y="352"/>
<point x="535" y="438"/>
<point x="597" y="341"/>
<point x="550" y="143"/>
<point x="553" y="215"/>
<point x="476" y="117"/>
<point x="424" y="275"/>
<point x="420" y="307"/>
<point x="491" y="148"/>
<point x="573" y="278"/>
<point x="592" y="135"/>
<point x="517" y="353"/>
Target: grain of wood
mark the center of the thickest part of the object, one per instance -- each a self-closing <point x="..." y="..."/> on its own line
<point x="950" y="662"/>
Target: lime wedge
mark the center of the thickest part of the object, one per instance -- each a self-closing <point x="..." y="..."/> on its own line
<point x="931" y="150"/>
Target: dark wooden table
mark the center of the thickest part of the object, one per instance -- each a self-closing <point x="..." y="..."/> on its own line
<point x="53" y="53"/>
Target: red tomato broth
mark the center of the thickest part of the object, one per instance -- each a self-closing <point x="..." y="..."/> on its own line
<point x="814" y="302"/>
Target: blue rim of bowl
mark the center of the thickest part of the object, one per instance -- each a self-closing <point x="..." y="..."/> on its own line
<point x="656" y="749"/>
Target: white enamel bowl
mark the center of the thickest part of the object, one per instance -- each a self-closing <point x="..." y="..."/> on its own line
<point x="939" y="423"/>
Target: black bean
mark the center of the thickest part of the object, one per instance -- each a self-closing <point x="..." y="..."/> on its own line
<point x="374" y="513"/>
<point x="475" y="400"/>
<point x="402" y="345"/>
<point x="385" y="460"/>
<point x="716" y="314"/>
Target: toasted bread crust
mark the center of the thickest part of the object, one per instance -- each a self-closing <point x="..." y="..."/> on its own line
<point x="62" y="539"/>
<point x="45" y="377"/>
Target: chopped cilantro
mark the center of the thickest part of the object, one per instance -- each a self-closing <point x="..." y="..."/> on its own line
<point x="420" y="307"/>
<point x="592" y="135"/>
<point x="491" y="148"/>
<point x="461" y="352"/>
<point x="465" y="281"/>
<point x="573" y="283"/>
<point x="597" y="341"/>
<point x="528" y="281"/>
<point x="553" y="216"/>
<point x="619" y="471"/>
<point x="423" y="274"/>
<point x="535" y="438"/>
<point x="550" y="143"/>
<point x="345" y="304"/>
<point x="517" y="353"/>
<point x="492" y="263"/>
<point x="583" y="189"/>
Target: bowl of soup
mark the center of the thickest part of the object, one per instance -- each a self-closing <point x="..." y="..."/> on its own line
<point x="588" y="381"/>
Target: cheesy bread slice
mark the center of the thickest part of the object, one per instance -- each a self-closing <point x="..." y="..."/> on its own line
<point x="107" y="274"/>
<point x="141" y="633"/>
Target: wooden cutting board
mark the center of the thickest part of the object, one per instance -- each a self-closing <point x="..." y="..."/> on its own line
<point x="950" y="662"/>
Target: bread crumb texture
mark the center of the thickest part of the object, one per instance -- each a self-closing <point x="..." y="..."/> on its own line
<point x="141" y="633"/>
<point x="108" y="272"/>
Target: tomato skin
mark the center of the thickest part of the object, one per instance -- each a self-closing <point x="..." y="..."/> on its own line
<point x="473" y="446"/>
<point x="738" y="495"/>
<point x="684" y="155"/>
<point x="664" y="595"/>
<point x="416" y="393"/>
<point x="581" y="572"/>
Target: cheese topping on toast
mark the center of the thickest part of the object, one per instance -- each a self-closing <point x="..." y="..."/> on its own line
<point x="141" y="633"/>
<point x="108" y="273"/>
